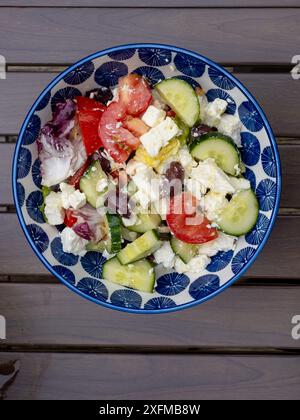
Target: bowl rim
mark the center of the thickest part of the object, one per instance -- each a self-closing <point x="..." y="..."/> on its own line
<point x="207" y="62"/>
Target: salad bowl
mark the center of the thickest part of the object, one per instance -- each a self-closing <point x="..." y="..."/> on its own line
<point x="259" y="154"/>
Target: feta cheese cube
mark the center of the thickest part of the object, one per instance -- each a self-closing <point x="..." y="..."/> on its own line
<point x="214" y="204"/>
<point x="73" y="243"/>
<point x="53" y="209"/>
<point x="222" y="243"/>
<point x="159" y="136"/>
<point x="211" y="115"/>
<point x="240" y="183"/>
<point x="165" y="255"/>
<point x="195" y="265"/>
<point x="77" y="200"/>
<point x="230" y="125"/>
<point x="66" y="191"/>
<point x="153" y="116"/>
<point x="147" y="183"/>
<point x="211" y="176"/>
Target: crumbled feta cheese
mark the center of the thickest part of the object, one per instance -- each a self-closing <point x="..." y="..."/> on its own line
<point x="153" y="116"/>
<point x="107" y="255"/>
<point x="77" y="200"/>
<point x="66" y="191"/>
<point x="159" y="136"/>
<point x="195" y="265"/>
<point x="230" y="125"/>
<point x="211" y="114"/>
<point x="102" y="185"/>
<point x="195" y="188"/>
<point x="161" y="206"/>
<point x="53" y="209"/>
<point x="211" y="176"/>
<point x="71" y="197"/>
<point x="130" y="221"/>
<point x="133" y="167"/>
<point x="237" y="169"/>
<point x="240" y="183"/>
<point x="214" y="204"/>
<point x="222" y="243"/>
<point x="203" y="102"/>
<point x="147" y="183"/>
<point x="186" y="160"/>
<point x="165" y="255"/>
<point x="73" y="243"/>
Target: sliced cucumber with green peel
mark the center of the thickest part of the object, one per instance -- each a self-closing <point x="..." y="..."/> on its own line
<point x="182" y="98"/>
<point x="139" y="275"/>
<point x="88" y="184"/>
<point x="113" y="225"/>
<point x="240" y="215"/>
<point x="45" y="192"/>
<point x="143" y="246"/>
<point x="146" y="221"/>
<point x="128" y="235"/>
<point x="219" y="147"/>
<point x="184" y="129"/>
<point x="184" y="250"/>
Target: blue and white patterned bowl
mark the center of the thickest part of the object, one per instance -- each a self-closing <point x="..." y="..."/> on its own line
<point x="173" y="291"/>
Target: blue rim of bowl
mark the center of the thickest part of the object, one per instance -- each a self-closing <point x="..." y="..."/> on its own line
<point x="266" y="126"/>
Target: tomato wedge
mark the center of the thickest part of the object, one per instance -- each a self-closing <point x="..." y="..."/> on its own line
<point x="70" y="220"/>
<point x="117" y="140"/>
<point x="186" y="223"/>
<point x="134" y="93"/>
<point x="89" y="114"/>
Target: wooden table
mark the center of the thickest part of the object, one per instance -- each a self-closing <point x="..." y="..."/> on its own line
<point x="238" y="345"/>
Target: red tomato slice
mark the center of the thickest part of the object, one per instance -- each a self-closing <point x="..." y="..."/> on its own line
<point x="117" y="140"/>
<point x="74" y="179"/>
<point x="70" y="220"/>
<point x="89" y="114"/>
<point x="186" y="224"/>
<point x="134" y="93"/>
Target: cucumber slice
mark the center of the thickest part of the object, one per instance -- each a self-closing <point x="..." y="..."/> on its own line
<point x="184" y="250"/>
<point x="100" y="246"/>
<point x="146" y="222"/>
<point x="113" y="225"/>
<point x="219" y="147"/>
<point x="181" y="97"/>
<point x="45" y="192"/>
<point x="140" y="248"/>
<point x="139" y="275"/>
<point x="88" y="184"/>
<point x="240" y="215"/>
<point x="185" y="131"/>
<point x="128" y="235"/>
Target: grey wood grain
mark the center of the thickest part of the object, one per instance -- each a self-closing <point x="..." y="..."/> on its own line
<point x="154" y="3"/>
<point x="279" y="259"/>
<point x="50" y="35"/>
<point x="126" y="377"/>
<point x="50" y="314"/>
<point x="289" y="154"/>
<point x="278" y="94"/>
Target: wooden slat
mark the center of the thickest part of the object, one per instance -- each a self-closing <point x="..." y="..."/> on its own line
<point x="127" y="377"/>
<point x="153" y="3"/>
<point x="279" y="259"/>
<point x="49" y="314"/>
<point x="290" y="159"/>
<point x="277" y="93"/>
<point x="49" y="35"/>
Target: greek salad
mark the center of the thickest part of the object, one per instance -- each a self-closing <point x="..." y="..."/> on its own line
<point x="146" y="175"/>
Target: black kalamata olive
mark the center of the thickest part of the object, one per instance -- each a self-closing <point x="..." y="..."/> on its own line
<point x="201" y="129"/>
<point x="174" y="176"/>
<point x="104" y="162"/>
<point x="102" y="94"/>
<point x="175" y="171"/>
